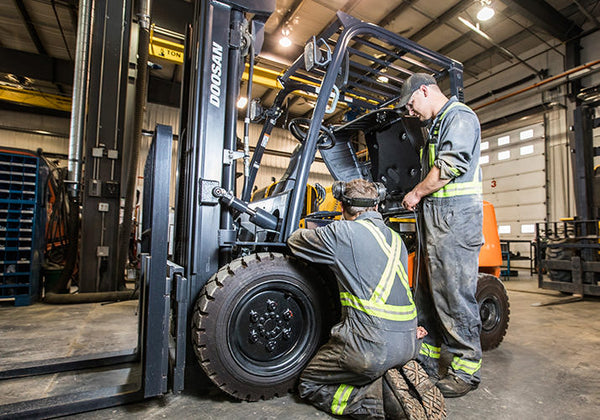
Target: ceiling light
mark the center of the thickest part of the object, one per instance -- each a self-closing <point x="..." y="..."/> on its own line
<point x="486" y="11"/>
<point x="285" y="40"/>
<point x="383" y="79"/>
<point x="241" y="103"/>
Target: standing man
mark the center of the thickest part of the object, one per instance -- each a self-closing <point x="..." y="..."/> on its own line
<point x="452" y="210"/>
<point x="378" y="328"/>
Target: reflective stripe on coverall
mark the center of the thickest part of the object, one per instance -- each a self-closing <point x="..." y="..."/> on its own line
<point x="452" y="220"/>
<point x="377" y="330"/>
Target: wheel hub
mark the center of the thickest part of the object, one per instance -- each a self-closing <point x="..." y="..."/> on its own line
<point x="269" y="327"/>
<point x="489" y="311"/>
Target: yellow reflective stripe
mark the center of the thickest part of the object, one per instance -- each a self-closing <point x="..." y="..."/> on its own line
<point x="430" y="351"/>
<point x="465" y="365"/>
<point x="431" y="154"/>
<point x="340" y="399"/>
<point x="400" y="271"/>
<point x="380" y="310"/>
<point x="459" y="188"/>
<point x="384" y="287"/>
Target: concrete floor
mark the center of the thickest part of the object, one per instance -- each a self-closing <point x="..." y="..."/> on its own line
<point x="545" y="368"/>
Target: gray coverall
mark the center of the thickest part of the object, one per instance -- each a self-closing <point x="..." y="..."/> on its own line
<point x="378" y="324"/>
<point x="452" y="220"/>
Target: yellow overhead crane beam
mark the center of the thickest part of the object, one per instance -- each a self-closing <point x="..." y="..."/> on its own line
<point x="35" y="98"/>
<point x="165" y="49"/>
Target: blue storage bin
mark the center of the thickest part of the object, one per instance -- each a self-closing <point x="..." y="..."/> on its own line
<point x="22" y="223"/>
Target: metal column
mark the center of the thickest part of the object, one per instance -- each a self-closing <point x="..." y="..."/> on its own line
<point x="108" y="71"/>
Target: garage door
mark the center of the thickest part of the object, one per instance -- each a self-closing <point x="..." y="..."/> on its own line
<point x="514" y="181"/>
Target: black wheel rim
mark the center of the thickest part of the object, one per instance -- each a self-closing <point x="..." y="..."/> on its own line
<point x="271" y="327"/>
<point x="490" y="313"/>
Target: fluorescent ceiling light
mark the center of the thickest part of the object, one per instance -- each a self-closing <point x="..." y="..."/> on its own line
<point x="383" y="79"/>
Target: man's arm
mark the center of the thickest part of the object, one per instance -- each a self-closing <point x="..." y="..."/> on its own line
<point x="315" y="245"/>
<point x="430" y="184"/>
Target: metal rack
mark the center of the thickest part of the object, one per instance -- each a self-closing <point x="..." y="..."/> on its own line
<point x="21" y="222"/>
<point x="569" y="252"/>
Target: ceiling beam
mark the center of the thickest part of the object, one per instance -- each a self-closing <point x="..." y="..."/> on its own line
<point x="441" y="19"/>
<point x="289" y="15"/>
<point x="507" y="43"/>
<point x="398" y="10"/>
<point x="30" y="27"/>
<point x="36" y="66"/>
<point x="546" y="17"/>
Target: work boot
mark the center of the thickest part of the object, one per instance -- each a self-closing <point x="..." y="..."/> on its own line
<point x="399" y="402"/>
<point x="452" y="386"/>
<point x="430" y="396"/>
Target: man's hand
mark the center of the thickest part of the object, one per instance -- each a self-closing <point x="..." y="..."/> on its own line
<point x="421" y="332"/>
<point x="411" y="200"/>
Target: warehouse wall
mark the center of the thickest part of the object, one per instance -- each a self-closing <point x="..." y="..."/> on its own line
<point x="19" y="129"/>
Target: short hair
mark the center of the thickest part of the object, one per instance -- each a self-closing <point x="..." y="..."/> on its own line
<point x="359" y="188"/>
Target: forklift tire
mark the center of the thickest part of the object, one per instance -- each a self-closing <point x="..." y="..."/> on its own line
<point x="258" y="322"/>
<point x="494" y="310"/>
<point x="555" y="253"/>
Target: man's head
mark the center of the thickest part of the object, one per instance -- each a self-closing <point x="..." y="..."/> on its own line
<point x="362" y="189"/>
<point x="421" y="96"/>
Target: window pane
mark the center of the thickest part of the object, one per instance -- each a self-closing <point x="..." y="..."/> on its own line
<point x="527" y="228"/>
<point x="503" y="140"/>
<point x="527" y="150"/>
<point x="504" y="155"/>
<point x="503" y="229"/>
<point x="484" y="159"/>
<point x="527" y="134"/>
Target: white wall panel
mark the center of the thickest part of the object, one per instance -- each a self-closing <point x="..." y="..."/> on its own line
<point x="516" y="185"/>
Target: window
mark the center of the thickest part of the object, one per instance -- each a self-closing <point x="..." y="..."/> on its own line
<point x="527" y="134"/>
<point x="503" y="229"/>
<point x="503" y="140"/>
<point x="527" y="150"/>
<point x="504" y="155"/>
<point x="527" y="228"/>
<point x="484" y="159"/>
<point x="485" y="145"/>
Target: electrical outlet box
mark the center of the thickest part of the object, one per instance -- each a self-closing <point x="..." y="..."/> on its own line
<point x="98" y="152"/>
<point x="95" y="188"/>
<point x="102" y="251"/>
<point x="103" y="207"/>
<point x="113" y="154"/>
<point x="110" y="189"/>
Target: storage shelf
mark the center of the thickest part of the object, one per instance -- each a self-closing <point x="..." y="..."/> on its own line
<point x="20" y="226"/>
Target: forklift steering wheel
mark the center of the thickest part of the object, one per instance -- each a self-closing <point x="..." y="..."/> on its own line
<point x="299" y="129"/>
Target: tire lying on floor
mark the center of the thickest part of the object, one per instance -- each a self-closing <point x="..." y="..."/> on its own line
<point x="258" y="322"/>
<point x="494" y="310"/>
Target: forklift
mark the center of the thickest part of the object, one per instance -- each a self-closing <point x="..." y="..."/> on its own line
<point x="232" y="307"/>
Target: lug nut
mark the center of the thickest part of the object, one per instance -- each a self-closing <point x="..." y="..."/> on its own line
<point x="253" y="316"/>
<point x="270" y="346"/>
<point x="271" y="305"/>
<point x="253" y="337"/>
<point x="287" y="333"/>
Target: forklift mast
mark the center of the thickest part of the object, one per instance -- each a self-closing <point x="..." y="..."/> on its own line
<point x="217" y="45"/>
